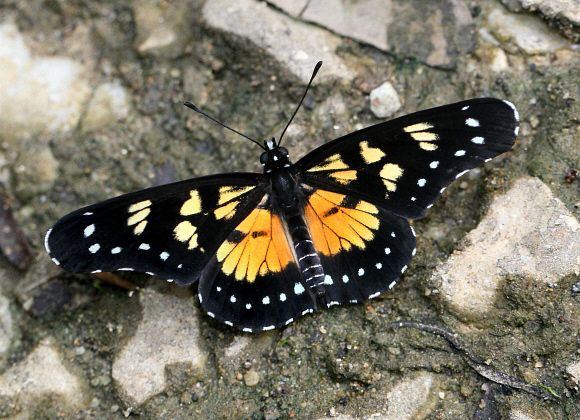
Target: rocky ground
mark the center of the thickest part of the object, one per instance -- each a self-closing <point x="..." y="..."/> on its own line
<point x="91" y="100"/>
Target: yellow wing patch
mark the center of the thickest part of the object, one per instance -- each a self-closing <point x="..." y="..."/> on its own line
<point x="331" y="163"/>
<point x="192" y="205"/>
<point x="139" y="212"/>
<point x="263" y="248"/>
<point x="370" y="154"/>
<point x="425" y="138"/>
<point x="390" y="174"/>
<point x="186" y="232"/>
<point x="229" y="192"/>
<point x="335" y="228"/>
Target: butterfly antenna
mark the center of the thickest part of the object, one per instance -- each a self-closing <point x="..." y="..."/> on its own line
<point x="196" y="109"/>
<point x="316" y="68"/>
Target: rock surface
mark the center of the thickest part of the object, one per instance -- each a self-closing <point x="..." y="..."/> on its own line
<point x="526" y="232"/>
<point x="167" y="334"/>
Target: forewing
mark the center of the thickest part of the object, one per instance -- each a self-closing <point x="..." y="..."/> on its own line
<point x="403" y="165"/>
<point x="170" y="231"/>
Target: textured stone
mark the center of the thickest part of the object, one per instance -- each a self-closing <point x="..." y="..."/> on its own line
<point x="41" y="376"/>
<point x="168" y="333"/>
<point x="527" y="33"/>
<point x="434" y="32"/>
<point x="384" y="100"/>
<point x="526" y="232"/>
<point x="296" y="44"/>
<point x="56" y="84"/>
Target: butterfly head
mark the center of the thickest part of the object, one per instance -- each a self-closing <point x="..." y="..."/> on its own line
<point x="274" y="156"/>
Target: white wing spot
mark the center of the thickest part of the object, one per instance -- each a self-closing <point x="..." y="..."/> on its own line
<point x="413" y="198"/>
<point x="282" y="297"/>
<point x="413" y="230"/>
<point x="465" y="108"/>
<point x="298" y="288"/>
<point x="414" y="252"/>
<point x="422" y="182"/>
<point x="96" y="271"/>
<point x="306" y="311"/>
<point x="218" y="289"/>
<point x="229" y="323"/>
<point x="478" y="140"/>
<point x="247" y="329"/>
<point x="88" y="213"/>
<point x="150" y="273"/>
<point x="116" y="250"/>
<point x="392" y="284"/>
<point x="328" y="280"/>
<point x="266" y="300"/>
<point x="200" y="299"/>
<point x="145" y="247"/>
<point x="374" y="295"/>
<point x="333" y="303"/>
<point x="169" y="280"/>
<point x="233" y="299"/>
<point x="345" y="279"/>
<point x="289" y="321"/>
<point x="472" y="122"/>
<point x="268" y="328"/>
<point x="125" y="269"/>
<point x="403" y="269"/>
<point x="211" y="314"/>
<point x="441" y="191"/>
<point x="248" y="306"/>
<point x="434" y="164"/>
<point x="180" y="266"/>
<point x="89" y="230"/>
<point x="393" y="235"/>
<point x="57" y="262"/>
<point x="361" y="272"/>
<point x="460" y="153"/>
<point x="94" y="248"/>
<point x="164" y="255"/>
<point x="461" y="173"/>
<point x="387" y="250"/>
<point x="379" y="266"/>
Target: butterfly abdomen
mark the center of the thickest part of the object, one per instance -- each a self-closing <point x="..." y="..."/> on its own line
<point x="306" y="255"/>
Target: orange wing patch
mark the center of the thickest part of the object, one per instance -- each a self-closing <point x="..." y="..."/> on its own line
<point x="334" y="227"/>
<point x="263" y="247"/>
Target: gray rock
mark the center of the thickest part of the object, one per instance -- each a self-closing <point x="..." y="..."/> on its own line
<point x="384" y="100"/>
<point x="41" y="376"/>
<point x="434" y="32"/>
<point x="161" y="31"/>
<point x="109" y="104"/>
<point x="555" y="9"/>
<point x="168" y="333"/>
<point x="526" y="232"/>
<point x="296" y="44"/>
<point x="524" y="32"/>
<point x="56" y="83"/>
<point x="6" y="327"/>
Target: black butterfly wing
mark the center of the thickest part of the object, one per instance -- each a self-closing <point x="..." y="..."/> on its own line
<point x="364" y="186"/>
<point x="171" y="231"/>
<point x="403" y="165"/>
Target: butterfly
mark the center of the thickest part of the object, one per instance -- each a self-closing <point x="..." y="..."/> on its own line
<point x="267" y="248"/>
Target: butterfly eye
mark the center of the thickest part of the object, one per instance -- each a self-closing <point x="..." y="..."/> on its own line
<point x="283" y="151"/>
<point x="264" y="158"/>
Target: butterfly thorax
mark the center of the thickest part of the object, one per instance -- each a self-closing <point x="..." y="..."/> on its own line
<point x="282" y="177"/>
